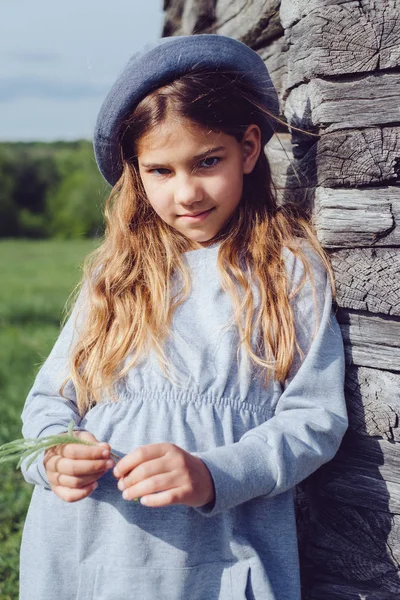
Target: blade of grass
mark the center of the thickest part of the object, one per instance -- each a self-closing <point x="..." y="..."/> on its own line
<point x="31" y="447"/>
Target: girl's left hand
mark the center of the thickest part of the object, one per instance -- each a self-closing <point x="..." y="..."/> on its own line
<point x="164" y="474"/>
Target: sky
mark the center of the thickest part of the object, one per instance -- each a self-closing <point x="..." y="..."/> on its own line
<point x="58" y="60"/>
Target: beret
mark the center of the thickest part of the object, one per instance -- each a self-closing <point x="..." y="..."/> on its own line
<point x="163" y="61"/>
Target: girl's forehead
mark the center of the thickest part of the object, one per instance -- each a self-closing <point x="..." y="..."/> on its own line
<point x="173" y="132"/>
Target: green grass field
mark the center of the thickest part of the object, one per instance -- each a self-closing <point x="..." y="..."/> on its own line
<point x="36" y="279"/>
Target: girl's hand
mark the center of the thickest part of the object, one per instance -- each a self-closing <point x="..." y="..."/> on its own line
<point x="164" y="474"/>
<point x="73" y="469"/>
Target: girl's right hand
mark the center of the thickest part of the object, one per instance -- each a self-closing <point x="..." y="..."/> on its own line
<point x="73" y="469"/>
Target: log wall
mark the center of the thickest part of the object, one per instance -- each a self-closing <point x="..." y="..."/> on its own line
<point x="336" y="65"/>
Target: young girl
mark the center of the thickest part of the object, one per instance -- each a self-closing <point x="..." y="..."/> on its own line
<point x="202" y="350"/>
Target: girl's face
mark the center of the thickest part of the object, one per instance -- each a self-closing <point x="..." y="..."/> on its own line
<point x="193" y="177"/>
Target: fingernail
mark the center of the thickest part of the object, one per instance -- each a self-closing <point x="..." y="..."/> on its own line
<point x="121" y="485"/>
<point x="116" y="472"/>
<point x="95" y="485"/>
<point x="109" y="463"/>
<point x="105" y="453"/>
<point x="125" y="495"/>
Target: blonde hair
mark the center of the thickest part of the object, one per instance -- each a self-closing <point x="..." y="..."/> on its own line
<point x="130" y="301"/>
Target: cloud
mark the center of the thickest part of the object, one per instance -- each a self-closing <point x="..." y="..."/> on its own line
<point x="35" y="56"/>
<point x="16" y="88"/>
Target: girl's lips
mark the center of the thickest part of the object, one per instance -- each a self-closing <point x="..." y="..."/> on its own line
<point x="197" y="217"/>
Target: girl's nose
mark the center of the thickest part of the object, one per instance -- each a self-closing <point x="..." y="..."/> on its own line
<point x="188" y="191"/>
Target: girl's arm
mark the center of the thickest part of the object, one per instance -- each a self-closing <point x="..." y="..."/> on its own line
<point x="310" y="417"/>
<point x="46" y="412"/>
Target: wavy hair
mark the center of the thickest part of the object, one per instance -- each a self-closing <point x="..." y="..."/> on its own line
<point x="130" y="299"/>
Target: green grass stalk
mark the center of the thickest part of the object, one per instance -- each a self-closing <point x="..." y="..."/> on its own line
<point x="31" y="447"/>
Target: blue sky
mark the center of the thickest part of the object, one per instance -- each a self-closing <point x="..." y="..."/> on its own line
<point x="58" y="60"/>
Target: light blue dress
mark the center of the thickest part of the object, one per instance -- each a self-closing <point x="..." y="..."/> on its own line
<point x="258" y="443"/>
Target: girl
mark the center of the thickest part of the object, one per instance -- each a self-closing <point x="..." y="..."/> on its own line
<point x="202" y="349"/>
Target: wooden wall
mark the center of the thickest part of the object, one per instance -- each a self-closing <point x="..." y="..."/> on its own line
<point x="336" y="64"/>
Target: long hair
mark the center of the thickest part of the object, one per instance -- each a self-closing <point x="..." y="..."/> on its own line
<point x="130" y="299"/>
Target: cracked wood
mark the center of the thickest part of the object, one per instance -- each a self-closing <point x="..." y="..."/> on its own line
<point x="172" y="17"/>
<point x="275" y="57"/>
<point x="347" y="158"/>
<point x="280" y="156"/>
<point x="354" y="496"/>
<point x="198" y="15"/>
<point x="373" y="402"/>
<point x="368" y="279"/>
<point x="343" y="555"/>
<point x="364" y="473"/>
<point x="291" y="11"/>
<point x="370" y="341"/>
<point x="350" y="218"/>
<point x="254" y="22"/>
<point x="341" y="104"/>
<point x="343" y="38"/>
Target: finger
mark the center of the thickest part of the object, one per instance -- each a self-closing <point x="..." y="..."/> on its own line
<point x="79" y="468"/>
<point x="73" y="495"/>
<point x="87" y="436"/>
<point x="147" y="469"/>
<point x="152" y="485"/>
<point x="139" y="456"/>
<point x="59" y="479"/>
<point x="68" y="466"/>
<point x="83" y="452"/>
<point x="166" y="498"/>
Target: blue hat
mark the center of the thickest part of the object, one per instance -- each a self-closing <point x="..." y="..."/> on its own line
<point x="161" y="62"/>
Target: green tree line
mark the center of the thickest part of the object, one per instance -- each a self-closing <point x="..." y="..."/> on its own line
<point x="50" y="190"/>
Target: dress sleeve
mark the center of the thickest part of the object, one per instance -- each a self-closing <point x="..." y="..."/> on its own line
<point x="46" y="412"/>
<point x="310" y="418"/>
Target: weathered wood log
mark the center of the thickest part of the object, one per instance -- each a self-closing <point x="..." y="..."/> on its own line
<point x="291" y="11"/>
<point x="348" y="559"/>
<point x="368" y="279"/>
<point x="254" y="22"/>
<point x="373" y="402"/>
<point x="335" y="591"/>
<point x="347" y="158"/>
<point x="364" y="473"/>
<point x="198" y="16"/>
<point x="340" y="104"/>
<point x="371" y="341"/>
<point x="349" y="218"/>
<point x="275" y="57"/>
<point x="356" y="158"/>
<point x="351" y="553"/>
<point x="280" y="156"/>
<point x="343" y="505"/>
<point x="333" y="40"/>
<point x="172" y="17"/>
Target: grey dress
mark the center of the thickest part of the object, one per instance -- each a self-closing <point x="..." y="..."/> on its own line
<point x="258" y="443"/>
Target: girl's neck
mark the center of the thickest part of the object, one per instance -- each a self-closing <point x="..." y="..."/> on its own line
<point x="199" y="248"/>
<point x="215" y="241"/>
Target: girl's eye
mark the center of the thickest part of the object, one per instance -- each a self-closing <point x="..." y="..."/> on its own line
<point x="160" y="171"/>
<point x="210" y="161"/>
<point x="206" y="163"/>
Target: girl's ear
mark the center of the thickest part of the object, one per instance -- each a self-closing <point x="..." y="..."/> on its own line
<point x="251" y="147"/>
